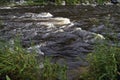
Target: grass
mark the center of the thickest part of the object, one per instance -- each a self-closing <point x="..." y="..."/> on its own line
<point x="17" y="64"/>
<point x="104" y="63"/>
<point x="53" y="71"/>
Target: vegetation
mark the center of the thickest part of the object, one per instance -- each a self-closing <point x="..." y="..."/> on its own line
<point x="73" y="2"/>
<point x="53" y="71"/>
<point x="58" y="2"/>
<point x="104" y="63"/>
<point x="4" y="2"/>
<point x="17" y="64"/>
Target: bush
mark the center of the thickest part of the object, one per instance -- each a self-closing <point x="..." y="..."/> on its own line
<point x="104" y="63"/>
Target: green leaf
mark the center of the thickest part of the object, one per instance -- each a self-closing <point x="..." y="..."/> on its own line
<point x="7" y="77"/>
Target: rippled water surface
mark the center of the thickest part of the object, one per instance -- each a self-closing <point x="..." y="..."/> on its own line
<point x="80" y="14"/>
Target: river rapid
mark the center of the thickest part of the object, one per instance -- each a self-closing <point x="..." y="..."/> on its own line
<point x="67" y="33"/>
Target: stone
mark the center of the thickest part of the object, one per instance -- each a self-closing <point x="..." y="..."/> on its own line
<point x="35" y="49"/>
<point x="98" y="29"/>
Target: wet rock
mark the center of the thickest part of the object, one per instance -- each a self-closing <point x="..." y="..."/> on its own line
<point x="110" y="31"/>
<point x="69" y="43"/>
<point x="35" y="49"/>
<point x="118" y="36"/>
<point x="98" y="29"/>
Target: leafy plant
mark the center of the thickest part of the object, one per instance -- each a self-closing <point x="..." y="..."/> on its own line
<point x="7" y="77"/>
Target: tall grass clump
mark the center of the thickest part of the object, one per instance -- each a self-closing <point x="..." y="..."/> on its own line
<point x="104" y="63"/>
<point x="16" y="63"/>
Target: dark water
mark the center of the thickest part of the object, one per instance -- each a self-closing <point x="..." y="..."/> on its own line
<point x="80" y="14"/>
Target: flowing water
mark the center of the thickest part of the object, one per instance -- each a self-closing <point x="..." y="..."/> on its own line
<point x="67" y="42"/>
